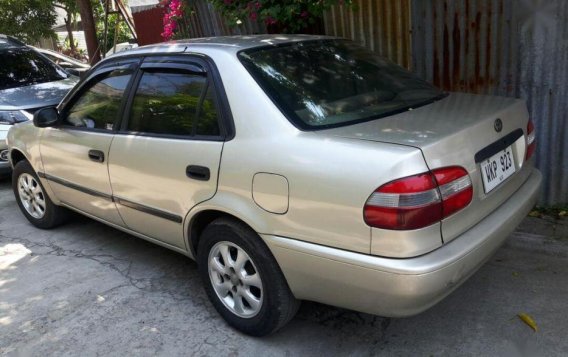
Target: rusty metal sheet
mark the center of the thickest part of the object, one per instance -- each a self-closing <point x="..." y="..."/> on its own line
<point x="382" y="25"/>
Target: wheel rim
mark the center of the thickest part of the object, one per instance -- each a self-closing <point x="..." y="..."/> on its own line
<point x="31" y="196"/>
<point x="235" y="279"/>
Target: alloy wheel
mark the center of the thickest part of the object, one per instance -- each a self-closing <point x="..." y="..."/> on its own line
<point x="31" y="196"/>
<point x="235" y="279"/>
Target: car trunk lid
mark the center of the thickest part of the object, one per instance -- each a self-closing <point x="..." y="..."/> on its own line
<point x="450" y="132"/>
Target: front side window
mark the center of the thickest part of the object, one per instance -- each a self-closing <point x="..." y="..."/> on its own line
<point x="171" y="102"/>
<point x="98" y="107"/>
<point x="330" y="83"/>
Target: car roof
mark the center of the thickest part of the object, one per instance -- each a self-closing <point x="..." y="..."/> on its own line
<point x="227" y="43"/>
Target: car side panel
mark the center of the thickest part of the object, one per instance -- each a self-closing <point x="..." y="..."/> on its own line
<point x="329" y="179"/>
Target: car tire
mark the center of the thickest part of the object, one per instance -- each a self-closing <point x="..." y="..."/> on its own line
<point x="233" y="286"/>
<point x="33" y="200"/>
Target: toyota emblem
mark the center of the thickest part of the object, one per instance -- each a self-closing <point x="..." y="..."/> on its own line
<point x="498" y="125"/>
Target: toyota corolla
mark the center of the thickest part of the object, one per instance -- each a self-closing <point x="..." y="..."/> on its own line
<point x="289" y="167"/>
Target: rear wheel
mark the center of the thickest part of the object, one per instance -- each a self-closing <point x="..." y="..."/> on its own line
<point x="243" y="280"/>
<point x="34" y="203"/>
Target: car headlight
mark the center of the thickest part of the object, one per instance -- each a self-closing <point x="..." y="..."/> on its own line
<point x="11" y="117"/>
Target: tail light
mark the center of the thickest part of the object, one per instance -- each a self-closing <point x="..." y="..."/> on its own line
<point x="418" y="201"/>
<point x="531" y="140"/>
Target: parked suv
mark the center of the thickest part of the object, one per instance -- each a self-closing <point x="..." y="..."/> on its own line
<point x="289" y="167"/>
<point x="28" y="81"/>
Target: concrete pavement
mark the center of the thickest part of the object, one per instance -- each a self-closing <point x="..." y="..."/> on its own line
<point x="87" y="289"/>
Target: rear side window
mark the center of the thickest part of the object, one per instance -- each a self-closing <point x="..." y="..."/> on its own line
<point x="99" y="105"/>
<point x="169" y="102"/>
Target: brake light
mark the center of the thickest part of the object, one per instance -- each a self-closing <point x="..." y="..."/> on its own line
<point x="418" y="201"/>
<point x="531" y="140"/>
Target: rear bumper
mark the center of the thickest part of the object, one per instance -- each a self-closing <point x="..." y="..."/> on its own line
<point x="398" y="287"/>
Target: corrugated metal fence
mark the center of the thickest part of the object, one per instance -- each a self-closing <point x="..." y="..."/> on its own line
<point x="516" y="48"/>
<point x="381" y="25"/>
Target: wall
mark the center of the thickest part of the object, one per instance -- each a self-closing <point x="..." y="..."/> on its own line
<point x="149" y="25"/>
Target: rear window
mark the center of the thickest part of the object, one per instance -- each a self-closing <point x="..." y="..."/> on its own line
<point x="23" y="67"/>
<point x="330" y="83"/>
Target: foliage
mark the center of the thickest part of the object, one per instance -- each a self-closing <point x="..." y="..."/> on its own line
<point x="28" y="20"/>
<point x="114" y="20"/>
<point x="176" y="19"/>
<point x="289" y="16"/>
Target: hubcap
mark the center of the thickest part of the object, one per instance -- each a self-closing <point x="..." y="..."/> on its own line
<point x="31" y="196"/>
<point x="235" y="279"/>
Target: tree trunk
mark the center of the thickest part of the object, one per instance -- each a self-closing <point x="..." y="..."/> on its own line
<point x="68" y="26"/>
<point x="88" y="21"/>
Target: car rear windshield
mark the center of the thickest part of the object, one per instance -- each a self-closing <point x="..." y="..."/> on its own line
<point x="23" y="67"/>
<point x="329" y="83"/>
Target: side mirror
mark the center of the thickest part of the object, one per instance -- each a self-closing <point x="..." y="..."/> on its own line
<point x="46" y="117"/>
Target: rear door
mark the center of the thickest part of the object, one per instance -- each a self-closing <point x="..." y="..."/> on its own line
<point x="75" y="154"/>
<point x="165" y="159"/>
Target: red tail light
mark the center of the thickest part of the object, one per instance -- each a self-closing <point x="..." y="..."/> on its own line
<point x="531" y="140"/>
<point x="419" y="201"/>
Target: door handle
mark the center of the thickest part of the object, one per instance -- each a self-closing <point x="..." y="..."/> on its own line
<point x="196" y="172"/>
<point x="97" y="155"/>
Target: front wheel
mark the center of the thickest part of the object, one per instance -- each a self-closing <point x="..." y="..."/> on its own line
<point x="34" y="203"/>
<point x="243" y="280"/>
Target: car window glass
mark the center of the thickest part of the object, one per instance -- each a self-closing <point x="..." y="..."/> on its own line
<point x="98" y="106"/>
<point x="24" y="67"/>
<point x="327" y="83"/>
<point x="168" y="102"/>
<point x="208" y="123"/>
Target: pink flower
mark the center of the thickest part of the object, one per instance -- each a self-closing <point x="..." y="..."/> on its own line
<point x="253" y="16"/>
<point x="304" y="14"/>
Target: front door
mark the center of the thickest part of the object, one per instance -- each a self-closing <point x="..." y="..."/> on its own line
<point x="75" y="154"/>
<point x="166" y="157"/>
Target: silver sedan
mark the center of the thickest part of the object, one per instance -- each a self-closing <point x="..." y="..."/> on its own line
<point x="289" y="167"/>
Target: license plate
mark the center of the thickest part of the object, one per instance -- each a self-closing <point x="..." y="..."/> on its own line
<point x="497" y="169"/>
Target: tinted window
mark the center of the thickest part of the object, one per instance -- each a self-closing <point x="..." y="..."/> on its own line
<point x="208" y="123"/>
<point x="99" y="105"/>
<point x="334" y="82"/>
<point x="168" y="102"/>
<point x="23" y="67"/>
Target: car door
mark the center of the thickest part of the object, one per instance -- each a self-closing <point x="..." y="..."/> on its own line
<point x="166" y="157"/>
<point x="75" y="153"/>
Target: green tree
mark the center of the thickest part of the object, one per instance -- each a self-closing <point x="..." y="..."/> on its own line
<point x="71" y="11"/>
<point x="28" y="20"/>
<point x="117" y="30"/>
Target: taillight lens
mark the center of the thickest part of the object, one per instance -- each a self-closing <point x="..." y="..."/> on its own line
<point x="418" y="201"/>
<point x="455" y="188"/>
<point x="531" y="140"/>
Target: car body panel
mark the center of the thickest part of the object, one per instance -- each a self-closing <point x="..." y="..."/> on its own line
<point x="449" y="132"/>
<point x="398" y="287"/>
<point x="67" y="166"/>
<point x="37" y="95"/>
<point x="163" y="185"/>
